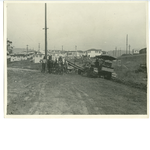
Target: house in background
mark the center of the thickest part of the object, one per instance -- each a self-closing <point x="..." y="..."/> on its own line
<point x="38" y="57"/>
<point x="135" y="51"/>
<point x="94" y="52"/>
<point x="17" y="57"/>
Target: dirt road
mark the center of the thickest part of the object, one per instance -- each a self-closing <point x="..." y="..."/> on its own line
<point x="35" y="93"/>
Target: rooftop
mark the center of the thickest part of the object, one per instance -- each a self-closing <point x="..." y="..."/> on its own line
<point x="94" y="49"/>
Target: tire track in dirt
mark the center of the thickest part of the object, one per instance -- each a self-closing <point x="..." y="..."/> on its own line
<point x="55" y="101"/>
<point x="89" y="102"/>
<point x="34" y="110"/>
<point x="73" y="99"/>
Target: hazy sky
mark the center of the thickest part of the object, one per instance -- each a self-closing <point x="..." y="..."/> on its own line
<point x="87" y="25"/>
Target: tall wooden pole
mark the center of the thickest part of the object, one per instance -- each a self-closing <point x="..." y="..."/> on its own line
<point x="46" y="32"/>
<point x="127" y="44"/>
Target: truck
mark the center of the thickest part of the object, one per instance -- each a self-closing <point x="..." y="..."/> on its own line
<point x="93" y="70"/>
<point x="105" y="69"/>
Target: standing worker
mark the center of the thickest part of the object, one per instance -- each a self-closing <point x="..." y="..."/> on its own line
<point x="66" y="66"/>
<point x="49" y="64"/>
<point x="43" y="64"/>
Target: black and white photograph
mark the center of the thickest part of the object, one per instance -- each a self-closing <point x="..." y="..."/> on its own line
<point x="77" y="59"/>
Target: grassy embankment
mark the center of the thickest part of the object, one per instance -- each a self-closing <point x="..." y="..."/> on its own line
<point x="126" y="67"/>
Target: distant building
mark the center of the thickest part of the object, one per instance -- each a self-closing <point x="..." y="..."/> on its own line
<point x="38" y="57"/>
<point x="18" y="57"/>
<point x="94" y="52"/>
<point x="135" y="51"/>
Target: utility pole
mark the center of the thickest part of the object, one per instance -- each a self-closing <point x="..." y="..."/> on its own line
<point x="27" y="49"/>
<point x="62" y="47"/>
<point x="46" y="33"/>
<point x="129" y="49"/>
<point x="127" y="44"/>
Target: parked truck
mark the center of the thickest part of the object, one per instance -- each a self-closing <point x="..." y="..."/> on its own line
<point x="101" y="67"/>
<point x="105" y="67"/>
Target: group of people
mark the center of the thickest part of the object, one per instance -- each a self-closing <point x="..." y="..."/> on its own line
<point x="59" y="66"/>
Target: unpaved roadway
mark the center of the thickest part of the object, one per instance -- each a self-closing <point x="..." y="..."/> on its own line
<point x="35" y="93"/>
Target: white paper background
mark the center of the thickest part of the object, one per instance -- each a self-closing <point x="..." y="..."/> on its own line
<point x="70" y="134"/>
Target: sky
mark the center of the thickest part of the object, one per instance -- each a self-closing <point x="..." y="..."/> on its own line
<point x="87" y="25"/>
